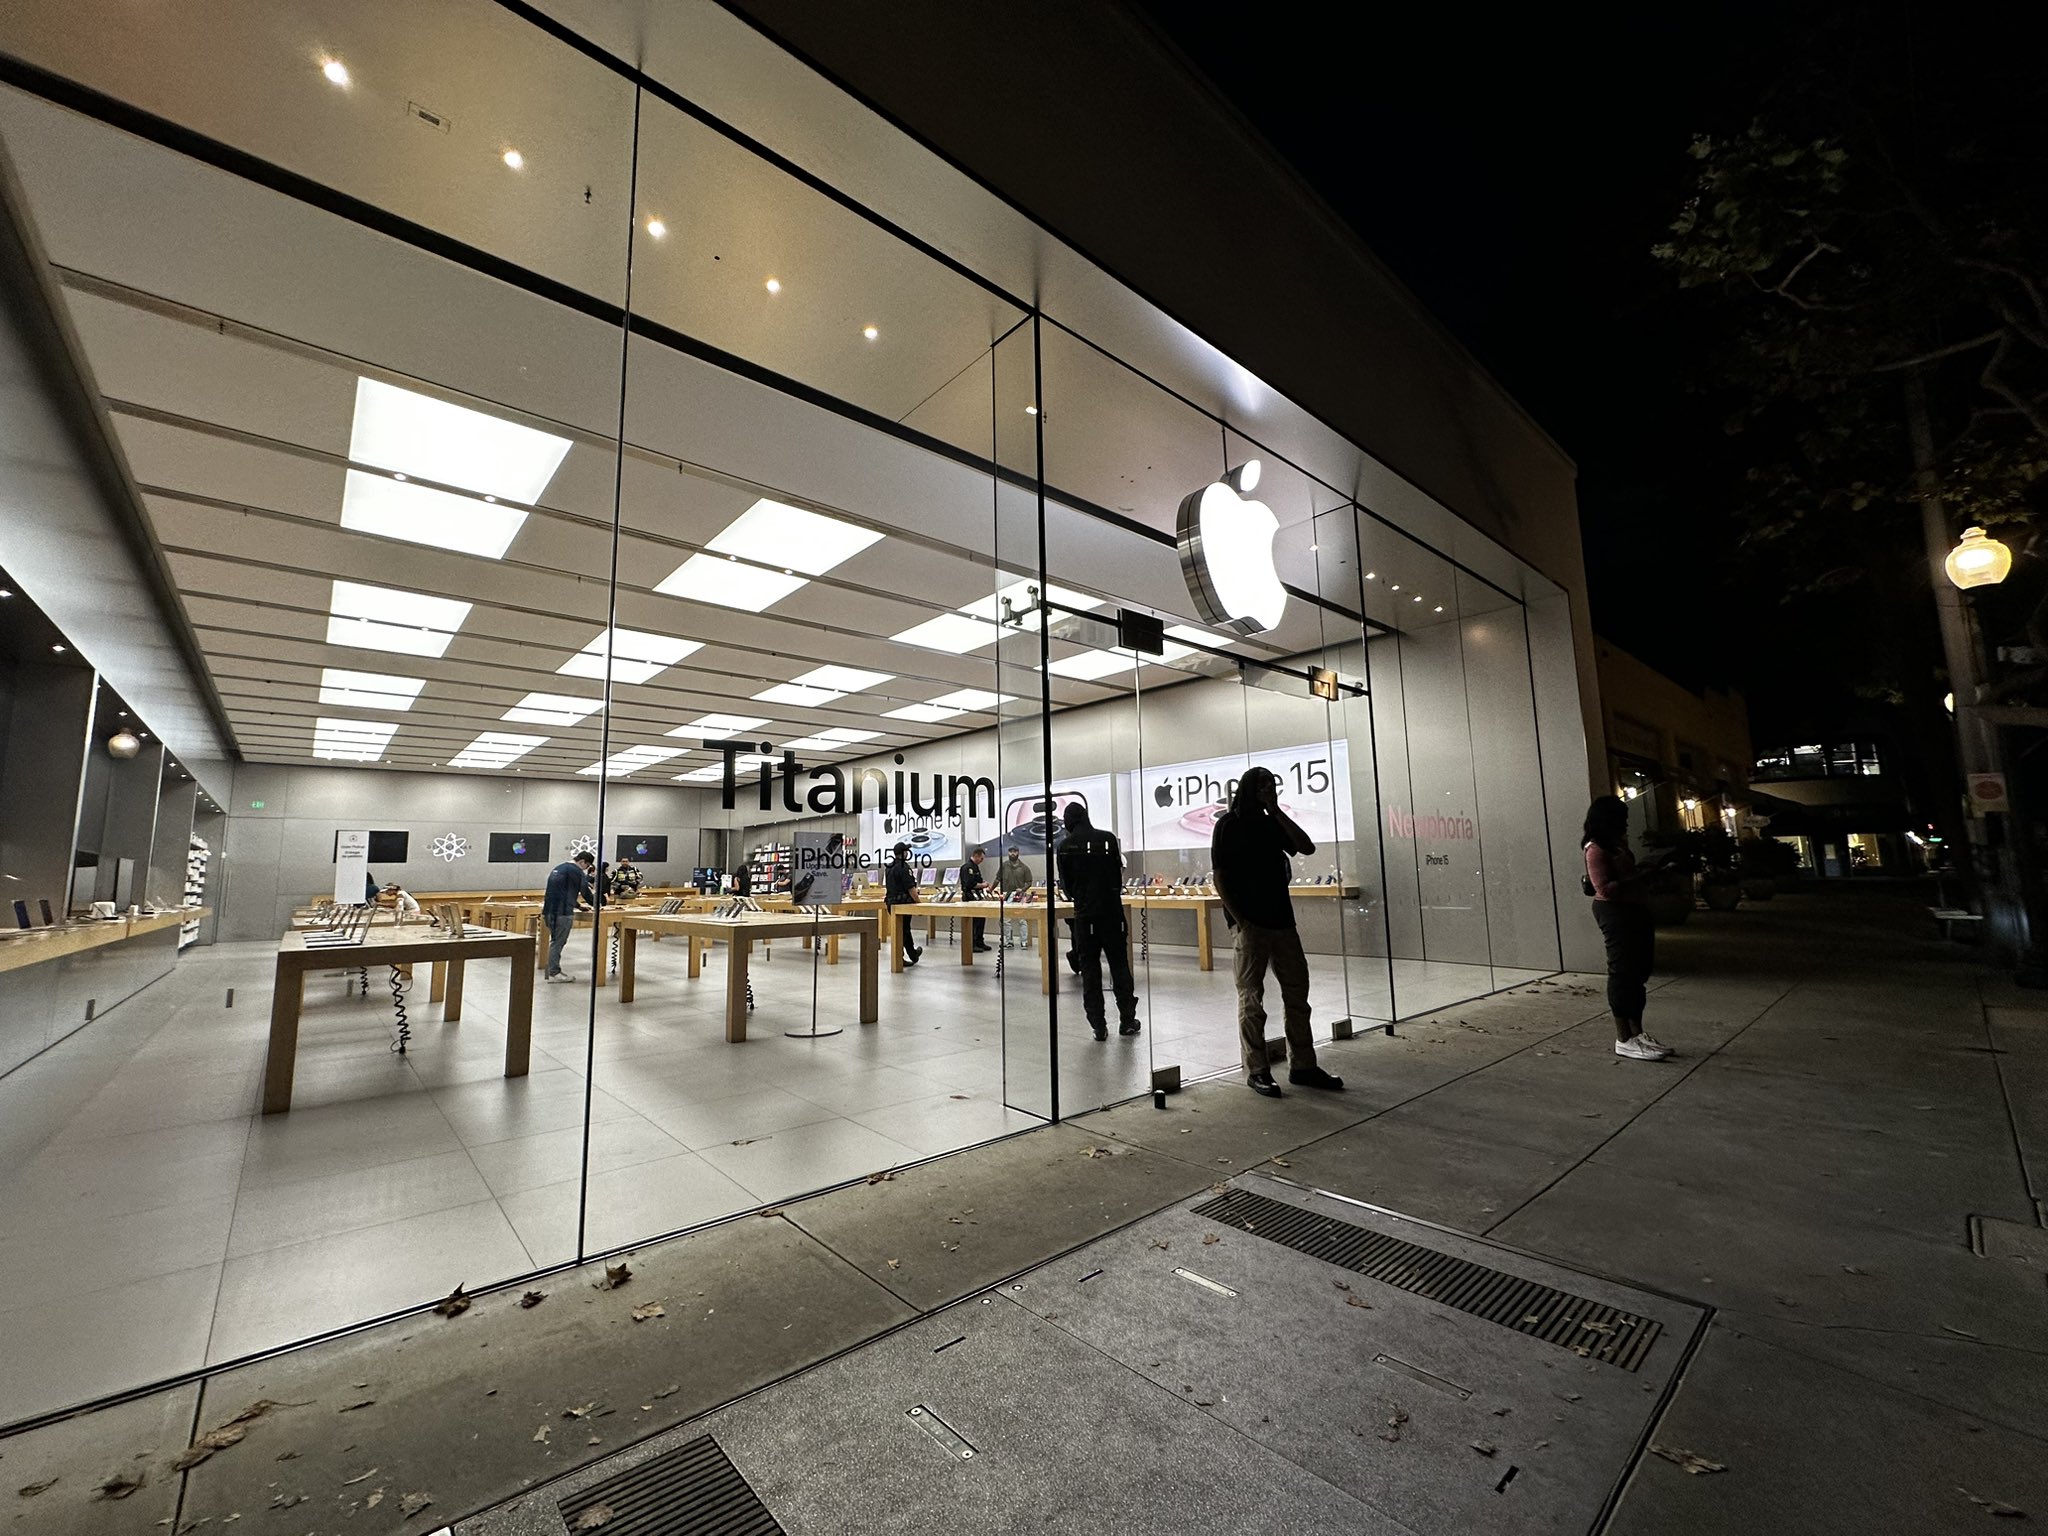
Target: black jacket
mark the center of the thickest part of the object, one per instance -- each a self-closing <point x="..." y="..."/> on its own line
<point x="900" y="882"/>
<point x="1092" y="874"/>
<point x="972" y="886"/>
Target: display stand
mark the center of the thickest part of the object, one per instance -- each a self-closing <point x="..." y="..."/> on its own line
<point x="826" y="889"/>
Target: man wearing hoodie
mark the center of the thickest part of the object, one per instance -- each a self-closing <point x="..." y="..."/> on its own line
<point x="1091" y="865"/>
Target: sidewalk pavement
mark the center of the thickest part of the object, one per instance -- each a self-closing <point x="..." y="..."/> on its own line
<point x="1850" y="1091"/>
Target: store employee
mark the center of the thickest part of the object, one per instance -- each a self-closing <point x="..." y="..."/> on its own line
<point x="974" y="888"/>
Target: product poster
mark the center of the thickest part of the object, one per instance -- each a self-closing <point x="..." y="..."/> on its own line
<point x="1175" y="805"/>
<point x="819" y="868"/>
<point x="940" y="838"/>
<point x="1023" y="810"/>
<point x="351" y="865"/>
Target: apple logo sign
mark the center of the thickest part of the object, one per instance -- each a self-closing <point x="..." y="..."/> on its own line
<point x="1226" y="554"/>
<point x="519" y="845"/>
<point x="1163" y="796"/>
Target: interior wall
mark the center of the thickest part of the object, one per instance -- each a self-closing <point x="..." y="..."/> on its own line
<point x="280" y="852"/>
<point x="172" y="844"/>
<point x="49" y="712"/>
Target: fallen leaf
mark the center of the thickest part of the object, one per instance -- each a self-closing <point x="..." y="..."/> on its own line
<point x="287" y="1500"/>
<point x="1961" y="1333"/>
<point x="30" y="1490"/>
<point x="1483" y="1448"/>
<point x="361" y="1477"/>
<point x="882" y="1176"/>
<point x="895" y="1263"/>
<point x="213" y="1440"/>
<point x="1392" y="1432"/>
<point x="119" y="1486"/>
<point x="1692" y="1461"/>
<point x="1851" y="1269"/>
<point x="1162" y="1243"/>
<point x="772" y="1210"/>
<point x="1501" y="1413"/>
<point x="578" y="1413"/>
<point x="595" y="1516"/>
<point x="370" y="1503"/>
<point x="352" y="1407"/>
<point x="412" y="1503"/>
<point x="454" y="1304"/>
<point x="1354" y="1301"/>
<point x="1341" y="1285"/>
<point x="615" y="1275"/>
<point x="668" y="1391"/>
<point x="532" y="1299"/>
<point x="748" y="1141"/>
<point x="959" y="1095"/>
<point x="1281" y="1162"/>
<point x="1993" y="1506"/>
<point x="651" y="1309"/>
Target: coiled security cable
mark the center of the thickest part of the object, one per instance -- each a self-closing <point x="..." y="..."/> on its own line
<point x="400" y="982"/>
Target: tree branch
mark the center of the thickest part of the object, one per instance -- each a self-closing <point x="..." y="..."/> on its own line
<point x="2027" y="408"/>
<point x="1783" y="287"/>
<point x="2026" y="283"/>
<point x="1940" y="352"/>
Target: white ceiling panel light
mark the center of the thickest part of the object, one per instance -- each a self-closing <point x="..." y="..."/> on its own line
<point x="495" y="749"/>
<point x="843" y="679"/>
<point x="552" y="709"/>
<point x="718" y="727"/>
<point x="837" y="739"/>
<point x="922" y="714"/>
<point x="973" y="699"/>
<point x="707" y="775"/>
<point x="368" y="690"/>
<point x="635" y="655"/>
<point x="356" y="741"/>
<point x="952" y="632"/>
<point x="786" y="544"/>
<point x="797" y="696"/>
<point x="1092" y="666"/>
<point x="632" y="760"/>
<point x="383" y="619"/>
<point x="417" y="437"/>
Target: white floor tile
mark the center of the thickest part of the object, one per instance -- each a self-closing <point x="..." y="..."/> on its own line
<point x="553" y="1156"/>
<point x="283" y="1214"/>
<point x="69" y="1347"/>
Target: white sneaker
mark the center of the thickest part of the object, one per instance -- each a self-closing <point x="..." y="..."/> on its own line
<point x="1640" y="1049"/>
<point x="1656" y="1045"/>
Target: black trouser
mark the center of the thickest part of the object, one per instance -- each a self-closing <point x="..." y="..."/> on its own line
<point x="1631" y="956"/>
<point x="980" y="932"/>
<point x="1095" y="941"/>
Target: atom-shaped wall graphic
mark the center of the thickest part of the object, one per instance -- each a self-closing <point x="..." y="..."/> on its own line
<point x="584" y="844"/>
<point x="448" y="847"/>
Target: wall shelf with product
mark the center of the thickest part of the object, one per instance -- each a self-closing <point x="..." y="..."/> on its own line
<point x="769" y="869"/>
<point x="196" y="860"/>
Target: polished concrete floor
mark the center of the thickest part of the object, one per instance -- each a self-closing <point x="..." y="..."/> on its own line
<point x="151" y="1221"/>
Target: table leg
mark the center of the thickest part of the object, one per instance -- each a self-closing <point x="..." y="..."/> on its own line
<point x="539" y="930"/>
<point x="736" y="949"/>
<point x="629" y="947"/>
<point x="696" y="955"/>
<point x="519" y="1020"/>
<point x="451" y="1008"/>
<point x="870" y="958"/>
<point x="1044" y="954"/>
<point x="832" y="949"/>
<point x="287" y="996"/>
<point x="437" y="984"/>
<point x="1208" y="958"/>
<point x="966" y="948"/>
<point x="931" y="930"/>
<point x="897" y="933"/>
<point x="603" y="963"/>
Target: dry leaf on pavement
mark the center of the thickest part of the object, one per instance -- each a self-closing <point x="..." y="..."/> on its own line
<point x="1692" y="1461"/>
<point x="615" y="1275"/>
<point x="454" y="1304"/>
<point x="540" y="1436"/>
<point x="1355" y="1301"/>
<point x="595" y="1516"/>
<point x="30" y="1490"/>
<point x="882" y="1176"/>
<point x="412" y="1503"/>
<point x="652" y="1309"/>
<point x="1993" y="1506"/>
<point x="1210" y="1239"/>
<point x="119" y="1486"/>
<point x="532" y="1299"/>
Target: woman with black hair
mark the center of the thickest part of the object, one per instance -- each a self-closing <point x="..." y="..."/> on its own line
<point x="1616" y="887"/>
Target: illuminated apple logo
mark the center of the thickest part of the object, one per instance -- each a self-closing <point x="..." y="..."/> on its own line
<point x="1226" y="554"/>
<point x="1163" y="796"/>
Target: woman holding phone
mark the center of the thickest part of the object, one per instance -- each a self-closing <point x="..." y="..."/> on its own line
<point x="1617" y="889"/>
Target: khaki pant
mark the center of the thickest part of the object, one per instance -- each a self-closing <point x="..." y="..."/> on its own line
<point x="1256" y="950"/>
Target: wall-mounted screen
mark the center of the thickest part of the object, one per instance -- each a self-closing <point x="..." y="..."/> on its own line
<point x="519" y="848"/>
<point x="385" y="847"/>
<point x="643" y="850"/>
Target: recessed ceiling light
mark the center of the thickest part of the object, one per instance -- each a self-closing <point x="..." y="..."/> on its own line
<point x="870" y="332"/>
<point x="1438" y="609"/>
<point x="1372" y="575"/>
<point x="923" y="714"/>
<point x="335" y="71"/>
<point x="515" y="160"/>
<point x="953" y="632"/>
<point x="973" y="699"/>
<point x="844" y="679"/>
<point x="382" y="619"/>
<point x="410" y="434"/>
<point x="632" y="760"/>
<point x="1090" y="666"/>
<point x="719" y="727"/>
<point x="552" y="709"/>
<point x="1396" y="586"/>
<point x="833" y="740"/>
<point x="360" y="741"/>
<point x="368" y="690"/>
<point x="1030" y="410"/>
<point x="656" y="228"/>
<point x="1417" y="598"/>
<point x="495" y="749"/>
<point x="793" y="693"/>
<point x="729" y="584"/>
<point x="635" y="656"/>
<point x="5" y="593"/>
<point x="702" y="775"/>
<point x="774" y="285"/>
<point x="58" y="649"/>
<point x="773" y="533"/>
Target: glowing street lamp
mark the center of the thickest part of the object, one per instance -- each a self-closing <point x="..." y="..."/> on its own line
<point x="1977" y="561"/>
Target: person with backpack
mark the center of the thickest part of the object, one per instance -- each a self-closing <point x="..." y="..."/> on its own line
<point x="1091" y="865"/>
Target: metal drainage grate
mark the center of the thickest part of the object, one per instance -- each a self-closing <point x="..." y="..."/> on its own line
<point x="693" y="1490"/>
<point x="1588" y="1328"/>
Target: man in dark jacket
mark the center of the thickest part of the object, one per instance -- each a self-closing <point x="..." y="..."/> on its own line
<point x="568" y="889"/>
<point x="1251" y="848"/>
<point x="899" y="888"/>
<point x="974" y="888"/>
<point x="1091" y="864"/>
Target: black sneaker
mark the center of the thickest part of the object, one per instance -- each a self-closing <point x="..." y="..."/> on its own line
<point x="1101" y="1031"/>
<point x="981" y="949"/>
<point x="1315" y="1077"/>
<point x="1128" y="1027"/>
<point x="912" y="956"/>
<point x="1262" y="1082"/>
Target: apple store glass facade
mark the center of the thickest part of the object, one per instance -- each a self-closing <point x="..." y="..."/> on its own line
<point x="544" y="467"/>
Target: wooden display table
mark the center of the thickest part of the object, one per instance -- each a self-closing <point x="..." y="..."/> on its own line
<point x="738" y="935"/>
<point x="1033" y="913"/>
<point x="401" y="947"/>
<point x="23" y="947"/>
<point x="1207" y="904"/>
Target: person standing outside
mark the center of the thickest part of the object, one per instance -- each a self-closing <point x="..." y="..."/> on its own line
<point x="1251" y="850"/>
<point x="899" y="889"/>
<point x="568" y="889"/>
<point x="1617" y="889"/>
<point x="1013" y="879"/>
<point x="974" y="887"/>
<point x="1091" y="865"/>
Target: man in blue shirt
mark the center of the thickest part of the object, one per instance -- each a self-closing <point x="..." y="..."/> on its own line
<point x="568" y="889"/>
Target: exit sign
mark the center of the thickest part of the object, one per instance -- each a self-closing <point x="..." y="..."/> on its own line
<point x="255" y="805"/>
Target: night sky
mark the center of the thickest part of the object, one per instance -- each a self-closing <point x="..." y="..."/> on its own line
<point x="1515" y="176"/>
